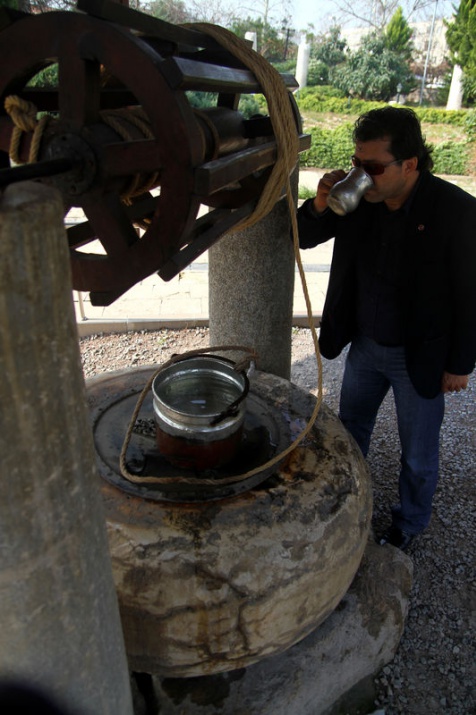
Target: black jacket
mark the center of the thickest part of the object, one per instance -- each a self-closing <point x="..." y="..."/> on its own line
<point x="438" y="293"/>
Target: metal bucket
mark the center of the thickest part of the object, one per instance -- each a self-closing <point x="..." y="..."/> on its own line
<point x="199" y="410"/>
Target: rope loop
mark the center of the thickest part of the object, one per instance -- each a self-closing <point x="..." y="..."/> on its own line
<point x="22" y="113"/>
<point x="24" y="117"/>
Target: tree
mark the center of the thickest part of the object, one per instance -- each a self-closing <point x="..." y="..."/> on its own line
<point x="269" y="11"/>
<point x="398" y="34"/>
<point x="216" y="12"/>
<point x="173" y="11"/>
<point x="374" y="71"/>
<point x="330" y="48"/>
<point x="461" y="37"/>
<point x="46" y="5"/>
<point x="271" y="41"/>
<point x="317" y="73"/>
<point x="377" y="14"/>
<point x="327" y="53"/>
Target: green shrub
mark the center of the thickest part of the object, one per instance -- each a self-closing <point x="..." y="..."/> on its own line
<point x="47" y="77"/>
<point x="201" y="100"/>
<point x="286" y="66"/>
<point x="324" y="91"/>
<point x="469" y="90"/>
<point x="330" y="148"/>
<point x="429" y="115"/>
<point x="325" y="99"/>
<point x="305" y="192"/>
<point x="450" y="158"/>
<point x="313" y="99"/>
<point x="470" y="125"/>
<point x="249" y="105"/>
<point x="318" y="73"/>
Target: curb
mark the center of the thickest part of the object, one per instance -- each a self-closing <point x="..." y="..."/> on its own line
<point x="86" y="328"/>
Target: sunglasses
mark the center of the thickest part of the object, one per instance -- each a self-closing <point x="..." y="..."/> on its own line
<point x="373" y="168"/>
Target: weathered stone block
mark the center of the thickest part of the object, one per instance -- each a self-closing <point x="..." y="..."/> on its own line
<point x="354" y="642"/>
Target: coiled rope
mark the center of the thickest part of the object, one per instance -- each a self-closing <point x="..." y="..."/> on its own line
<point x="23" y="115"/>
<point x="118" y="119"/>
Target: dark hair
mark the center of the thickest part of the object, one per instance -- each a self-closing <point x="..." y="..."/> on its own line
<point x="402" y="127"/>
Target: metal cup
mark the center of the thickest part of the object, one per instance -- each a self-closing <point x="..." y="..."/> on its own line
<point x="344" y="197"/>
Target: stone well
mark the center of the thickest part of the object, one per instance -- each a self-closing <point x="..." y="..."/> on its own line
<point x="214" y="581"/>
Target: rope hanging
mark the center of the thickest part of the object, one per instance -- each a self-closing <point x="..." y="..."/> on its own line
<point x="287" y="152"/>
<point x="280" y="112"/>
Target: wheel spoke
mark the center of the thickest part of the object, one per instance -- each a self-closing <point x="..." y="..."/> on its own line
<point x="109" y="221"/>
<point x="79" y="88"/>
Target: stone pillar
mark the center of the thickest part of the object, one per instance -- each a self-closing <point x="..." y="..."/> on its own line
<point x="253" y="38"/>
<point x="251" y="286"/>
<point x="59" y="620"/>
<point x="302" y="64"/>
<point x="455" y="96"/>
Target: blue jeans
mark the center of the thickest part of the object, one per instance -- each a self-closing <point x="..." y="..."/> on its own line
<point x="370" y="371"/>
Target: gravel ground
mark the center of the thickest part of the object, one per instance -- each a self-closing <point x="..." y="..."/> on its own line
<point x="434" y="669"/>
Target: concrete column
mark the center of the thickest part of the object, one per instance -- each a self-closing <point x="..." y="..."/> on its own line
<point x="302" y="64"/>
<point x="59" y="620"/>
<point x="455" y="96"/>
<point x="251" y="286"/>
<point x="253" y="38"/>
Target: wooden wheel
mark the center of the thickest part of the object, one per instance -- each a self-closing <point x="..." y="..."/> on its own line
<point x="186" y="159"/>
<point x="81" y="46"/>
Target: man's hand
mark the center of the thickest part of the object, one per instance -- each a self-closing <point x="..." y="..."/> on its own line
<point x="454" y="383"/>
<point x="325" y="185"/>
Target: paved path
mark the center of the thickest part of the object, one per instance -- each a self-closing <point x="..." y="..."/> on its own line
<point x="185" y="298"/>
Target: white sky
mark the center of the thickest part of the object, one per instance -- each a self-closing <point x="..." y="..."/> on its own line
<point x="320" y="12"/>
<point x="311" y="11"/>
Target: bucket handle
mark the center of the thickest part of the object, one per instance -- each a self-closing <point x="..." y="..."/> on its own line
<point x="245" y="367"/>
<point x="232" y="409"/>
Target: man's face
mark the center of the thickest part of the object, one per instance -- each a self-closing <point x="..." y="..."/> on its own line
<point x="396" y="182"/>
